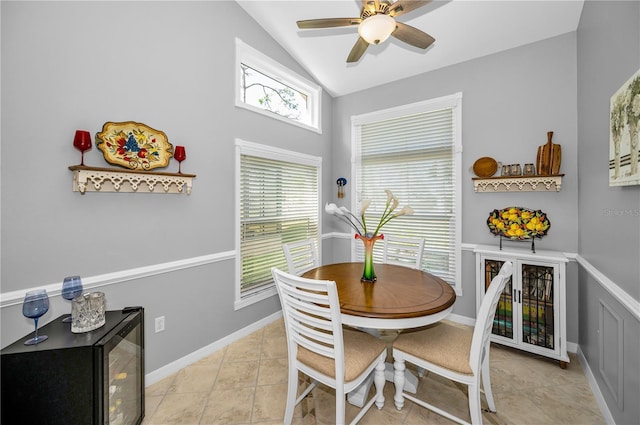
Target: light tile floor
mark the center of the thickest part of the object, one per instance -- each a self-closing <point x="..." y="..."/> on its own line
<point x="245" y="383"/>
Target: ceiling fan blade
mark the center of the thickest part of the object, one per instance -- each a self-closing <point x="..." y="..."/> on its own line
<point x="404" y="6"/>
<point x="328" y="23"/>
<point x="412" y="36"/>
<point x="358" y="50"/>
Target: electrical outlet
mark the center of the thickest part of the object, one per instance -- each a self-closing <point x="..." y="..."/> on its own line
<point x="159" y="324"/>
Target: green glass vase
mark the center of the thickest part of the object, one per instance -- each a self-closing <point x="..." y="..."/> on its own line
<point x="368" y="275"/>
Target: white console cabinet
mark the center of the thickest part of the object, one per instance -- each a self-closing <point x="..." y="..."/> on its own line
<point x="531" y="313"/>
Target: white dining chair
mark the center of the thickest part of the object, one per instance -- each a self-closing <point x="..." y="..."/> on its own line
<point x="301" y="256"/>
<point x="458" y="353"/>
<point x="403" y="251"/>
<point x="319" y="347"/>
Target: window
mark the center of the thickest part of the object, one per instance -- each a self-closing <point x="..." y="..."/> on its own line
<point x="266" y="87"/>
<point x="277" y="201"/>
<point x="414" y="151"/>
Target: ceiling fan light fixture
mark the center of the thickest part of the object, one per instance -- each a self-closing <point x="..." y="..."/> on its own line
<point x="377" y="28"/>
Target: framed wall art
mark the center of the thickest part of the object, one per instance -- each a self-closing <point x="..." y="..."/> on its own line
<point x="623" y="134"/>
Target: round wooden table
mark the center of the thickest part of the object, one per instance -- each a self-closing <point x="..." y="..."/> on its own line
<point x="401" y="297"/>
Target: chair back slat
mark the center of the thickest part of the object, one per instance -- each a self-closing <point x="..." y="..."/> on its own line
<point x="403" y="251"/>
<point x="301" y="256"/>
<point x="316" y="346"/>
<point x="309" y="323"/>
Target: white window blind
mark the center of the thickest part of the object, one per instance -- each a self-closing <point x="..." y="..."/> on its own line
<point x="415" y="153"/>
<point x="278" y="203"/>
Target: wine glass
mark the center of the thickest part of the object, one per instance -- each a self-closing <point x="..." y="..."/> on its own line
<point x="71" y="288"/>
<point x="36" y="304"/>
<point x="180" y="155"/>
<point x="82" y="142"/>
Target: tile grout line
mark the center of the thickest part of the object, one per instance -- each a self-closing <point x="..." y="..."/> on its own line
<point x="255" y="384"/>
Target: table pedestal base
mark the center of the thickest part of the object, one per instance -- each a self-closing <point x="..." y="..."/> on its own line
<point x="358" y="397"/>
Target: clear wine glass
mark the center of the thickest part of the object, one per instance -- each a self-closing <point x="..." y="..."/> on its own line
<point x="36" y="304"/>
<point x="71" y="288"/>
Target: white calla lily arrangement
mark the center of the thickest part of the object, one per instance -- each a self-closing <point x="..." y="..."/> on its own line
<point x="359" y="224"/>
<point x="363" y="233"/>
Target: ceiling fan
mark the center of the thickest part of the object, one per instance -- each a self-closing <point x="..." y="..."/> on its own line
<point x="376" y="23"/>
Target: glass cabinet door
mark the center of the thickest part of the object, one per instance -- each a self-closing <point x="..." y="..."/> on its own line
<point x="503" y="320"/>
<point x="531" y="314"/>
<point x="537" y="305"/>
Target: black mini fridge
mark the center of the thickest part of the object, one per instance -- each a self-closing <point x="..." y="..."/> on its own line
<point x="93" y="378"/>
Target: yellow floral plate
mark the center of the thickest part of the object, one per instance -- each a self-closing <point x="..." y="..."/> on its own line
<point x="518" y="223"/>
<point x="134" y="145"/>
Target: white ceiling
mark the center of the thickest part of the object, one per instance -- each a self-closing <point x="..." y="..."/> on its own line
<point x="463" y="29"/>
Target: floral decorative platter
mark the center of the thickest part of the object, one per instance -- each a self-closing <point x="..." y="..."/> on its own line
<point x="518" y="223"/>
<point x="134" y="145"/>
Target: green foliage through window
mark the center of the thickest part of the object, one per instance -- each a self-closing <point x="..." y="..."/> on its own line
<point x="263" y="91"/>
<point x="266" y="87"/>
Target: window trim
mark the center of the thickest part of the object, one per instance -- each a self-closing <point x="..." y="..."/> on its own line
<point x="260" y="62"/>
<point x="451" y="101"/>
<point x="243" y="147"/>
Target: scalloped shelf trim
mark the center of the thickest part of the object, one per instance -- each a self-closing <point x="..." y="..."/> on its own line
<point x="518" y="184"/>
<point x="92" y="179"/>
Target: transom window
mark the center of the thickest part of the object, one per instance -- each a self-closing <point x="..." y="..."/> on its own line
<point x="266" y="87"/>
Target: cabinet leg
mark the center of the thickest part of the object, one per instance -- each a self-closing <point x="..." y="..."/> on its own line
<point x="563" y="365"/>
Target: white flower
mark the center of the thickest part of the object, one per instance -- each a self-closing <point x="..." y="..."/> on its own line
<point x="344" y="214"/>
<point x="395" y="203"/>
<point x="389" y="196"/>
<point x="345" y="211"/>
<point x="406" y="210"/>
<point x="332" y="209"/>
<point x="360" y="226"/>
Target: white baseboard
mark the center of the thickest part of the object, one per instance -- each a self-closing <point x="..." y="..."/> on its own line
<point x="595" y="389"/>
<point x="464" y="320"/>
<point x="173" y="367"/>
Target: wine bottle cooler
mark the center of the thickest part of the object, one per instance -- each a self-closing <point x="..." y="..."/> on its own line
<point x="95" y="377"/>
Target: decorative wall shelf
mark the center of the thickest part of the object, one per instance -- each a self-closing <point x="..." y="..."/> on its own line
<point x="95" y="179"/>
<point x="518" y="184"/>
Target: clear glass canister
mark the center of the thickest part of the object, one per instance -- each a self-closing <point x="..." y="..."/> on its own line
<point x="88" y="312"/>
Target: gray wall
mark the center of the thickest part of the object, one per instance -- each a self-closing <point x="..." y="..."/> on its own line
<point x="510" y="100"/>
<point x="608" y="54"/>
<point x="609" y="216"/>
<point x="170" y="65"/>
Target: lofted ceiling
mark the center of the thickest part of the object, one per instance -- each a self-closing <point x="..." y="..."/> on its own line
<point x="463" y="29"/>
